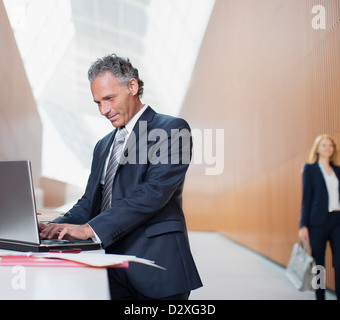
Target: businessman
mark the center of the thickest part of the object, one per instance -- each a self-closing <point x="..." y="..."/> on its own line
<point x="133" y="199"/>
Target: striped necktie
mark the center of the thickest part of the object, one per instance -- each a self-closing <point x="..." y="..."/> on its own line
<point x="112" y="167"/>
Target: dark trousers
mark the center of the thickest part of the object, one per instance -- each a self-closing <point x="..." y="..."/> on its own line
<point x="318" y="236"/>
<point x="121" y="288"/>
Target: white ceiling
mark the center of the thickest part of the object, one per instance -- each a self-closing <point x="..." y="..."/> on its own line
<point x="58" y="41"/>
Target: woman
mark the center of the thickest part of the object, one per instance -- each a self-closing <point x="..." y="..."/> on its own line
<point x="320" y="210"/>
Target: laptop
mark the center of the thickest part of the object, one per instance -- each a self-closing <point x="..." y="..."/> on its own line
<point x="18" y="216"/>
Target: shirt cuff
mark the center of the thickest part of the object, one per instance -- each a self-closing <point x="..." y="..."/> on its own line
<point x="95" y="238"/>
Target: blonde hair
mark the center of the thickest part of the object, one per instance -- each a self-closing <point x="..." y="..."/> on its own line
<point x="314" y="156"/>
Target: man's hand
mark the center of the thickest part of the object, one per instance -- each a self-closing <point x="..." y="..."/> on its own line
<point x="69" y="231"/>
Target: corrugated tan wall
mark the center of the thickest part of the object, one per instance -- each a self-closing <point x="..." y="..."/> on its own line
<point x="271" y="82"/>
<point x="20" y="125"/>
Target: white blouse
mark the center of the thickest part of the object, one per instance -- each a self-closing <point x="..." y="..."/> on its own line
<point x="332" y="184"/>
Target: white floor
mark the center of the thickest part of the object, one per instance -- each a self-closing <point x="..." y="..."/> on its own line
<point x="230" y="271"/>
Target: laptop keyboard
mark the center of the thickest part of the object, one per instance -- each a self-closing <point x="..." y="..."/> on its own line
<point x="52" y="242"/>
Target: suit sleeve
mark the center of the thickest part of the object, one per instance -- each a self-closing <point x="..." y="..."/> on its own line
<point x="162" y="180"/>
<point x="307" y="193"/>
<point x="80" y="212"/>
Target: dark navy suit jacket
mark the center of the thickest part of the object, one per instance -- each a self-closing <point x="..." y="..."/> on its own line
<point x="314" y="209"/>
<point x="146" y="218"/>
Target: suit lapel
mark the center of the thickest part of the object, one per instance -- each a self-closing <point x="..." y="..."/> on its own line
<point x="337" y="173"/>
<point x="319" y="174"/>
<point x="99" y="167"/>
<point x="139" y="133"/>
<point x="103" y="154"/>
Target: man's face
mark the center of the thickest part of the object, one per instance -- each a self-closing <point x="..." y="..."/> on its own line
<point x="115" y="101"/>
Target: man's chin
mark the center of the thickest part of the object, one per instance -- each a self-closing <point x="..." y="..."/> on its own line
<point x="115" y="123"/>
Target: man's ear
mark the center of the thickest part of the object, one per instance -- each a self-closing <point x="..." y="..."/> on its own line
<point x="133" y="86"/>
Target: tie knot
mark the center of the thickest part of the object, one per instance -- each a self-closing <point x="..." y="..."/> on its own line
<point x="121" y="134"/>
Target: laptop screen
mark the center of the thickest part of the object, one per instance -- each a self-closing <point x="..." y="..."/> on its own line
<point x="18" y="221"/>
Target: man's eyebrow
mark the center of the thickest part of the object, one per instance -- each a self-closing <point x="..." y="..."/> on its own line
<point x="106" y="97"/>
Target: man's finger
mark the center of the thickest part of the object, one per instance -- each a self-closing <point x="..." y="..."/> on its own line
<point x="50" y="231"/>
<point x="62" y="233"/>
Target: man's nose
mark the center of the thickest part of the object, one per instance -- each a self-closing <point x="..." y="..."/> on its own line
<point x="105" y="108"/>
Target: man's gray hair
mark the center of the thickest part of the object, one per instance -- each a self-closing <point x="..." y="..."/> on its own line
<point x="120" y="68"/>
